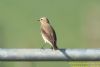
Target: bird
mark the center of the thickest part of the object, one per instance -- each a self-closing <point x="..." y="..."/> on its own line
<point x="48" y="33"/>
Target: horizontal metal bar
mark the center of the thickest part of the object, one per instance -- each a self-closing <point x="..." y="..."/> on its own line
<point x="49" y="54"/>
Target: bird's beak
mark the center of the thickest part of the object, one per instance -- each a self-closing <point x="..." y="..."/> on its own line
<point x="38" y="20"/>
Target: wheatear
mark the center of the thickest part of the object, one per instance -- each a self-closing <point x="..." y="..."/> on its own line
<point x="48" y="33"/>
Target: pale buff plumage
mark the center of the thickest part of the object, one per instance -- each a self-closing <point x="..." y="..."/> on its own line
<point x="48" y="33"/>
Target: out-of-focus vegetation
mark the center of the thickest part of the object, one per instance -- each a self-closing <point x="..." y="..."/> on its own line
<point x="77" y="25"/>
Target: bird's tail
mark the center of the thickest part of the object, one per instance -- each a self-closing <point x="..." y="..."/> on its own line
<point x="55" y="47"/>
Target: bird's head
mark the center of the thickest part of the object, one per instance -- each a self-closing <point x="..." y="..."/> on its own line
<point x="43" y="20"/>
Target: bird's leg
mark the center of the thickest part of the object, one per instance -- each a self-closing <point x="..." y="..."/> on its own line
<point x="51" y="47"/>
<point x="42" y="47"/>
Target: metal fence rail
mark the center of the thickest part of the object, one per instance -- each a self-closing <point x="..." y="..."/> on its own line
<point x="49" y="54"/>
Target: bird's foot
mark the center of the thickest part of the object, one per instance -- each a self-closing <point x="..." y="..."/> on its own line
<point x="52" y="48"/>
<point x="42" y="47"/>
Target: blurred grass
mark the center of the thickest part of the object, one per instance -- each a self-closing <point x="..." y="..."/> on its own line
<point x="76" y="23"/>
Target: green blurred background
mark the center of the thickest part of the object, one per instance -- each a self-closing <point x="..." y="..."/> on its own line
<point x="77" y="25"/>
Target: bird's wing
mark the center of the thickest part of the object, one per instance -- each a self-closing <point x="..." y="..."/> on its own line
<point x="49" y="34"/>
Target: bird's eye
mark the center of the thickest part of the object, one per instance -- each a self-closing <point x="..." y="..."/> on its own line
<point x="41" y="19"/>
